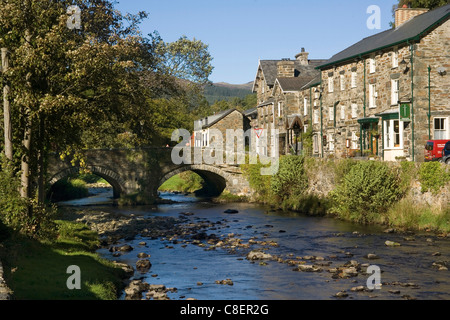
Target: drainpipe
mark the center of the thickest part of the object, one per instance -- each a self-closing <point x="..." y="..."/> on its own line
<point x="321" y="112"/>
<point x="364" y="108"/>
<point x="412" y="100"/>
<point x="429" y="102"/>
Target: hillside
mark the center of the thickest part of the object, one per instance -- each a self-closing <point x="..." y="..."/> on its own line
<point x="225" y="91"/>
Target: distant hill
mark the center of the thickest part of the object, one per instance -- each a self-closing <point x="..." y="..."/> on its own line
<point x="225" y="91"/>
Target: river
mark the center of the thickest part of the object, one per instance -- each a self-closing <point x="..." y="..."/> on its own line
<point x="408" y="271"/>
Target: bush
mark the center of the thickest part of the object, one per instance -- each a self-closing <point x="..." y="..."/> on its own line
<point x="259" y="183"/>
<point x="433" y="176"/>
<point x="290" y="179"/>
<point x="368" y="190"/>
<point x="69" y="189"/>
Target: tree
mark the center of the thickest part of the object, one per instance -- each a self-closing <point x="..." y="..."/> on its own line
<point x="184" y="59"/>
<point x="65" y="81"/>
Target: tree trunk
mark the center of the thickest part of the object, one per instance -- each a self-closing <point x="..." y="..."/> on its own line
<point x="7" y="109"/>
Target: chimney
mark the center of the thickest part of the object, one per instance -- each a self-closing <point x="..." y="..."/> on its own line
<point x="302" y="57"/>
<point x="286" y="69"/>
<point x="405" y="14"/>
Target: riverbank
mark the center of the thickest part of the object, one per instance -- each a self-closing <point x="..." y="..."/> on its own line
<point x="37" y="270"/>
<point x="405" y="195"/>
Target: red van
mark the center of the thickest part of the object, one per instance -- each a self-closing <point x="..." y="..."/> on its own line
<point x="433" y="149"/>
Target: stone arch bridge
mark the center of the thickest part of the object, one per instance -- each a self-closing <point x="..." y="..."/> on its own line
<point x="143" y="171"/>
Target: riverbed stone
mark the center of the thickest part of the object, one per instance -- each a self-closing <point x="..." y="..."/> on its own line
<point x="258" y="255"/>
<point x="389" y="243"/>
<point x="143" y="265"/>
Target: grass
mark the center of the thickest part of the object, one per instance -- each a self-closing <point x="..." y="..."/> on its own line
<point x="184" y="182"/>
<point x="38" y="270"/>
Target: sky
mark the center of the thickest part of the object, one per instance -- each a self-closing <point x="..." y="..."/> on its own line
<point x="239" y="33"/>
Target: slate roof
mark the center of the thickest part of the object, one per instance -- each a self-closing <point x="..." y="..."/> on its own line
<point x="270" y="69"/>
<point x="212" y="120"/>
<point x="294" y="84"/>
<point x="413" y="29"/>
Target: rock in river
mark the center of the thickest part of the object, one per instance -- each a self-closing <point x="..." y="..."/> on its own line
<point x="143" y="265"/>
<point x="257" y="255"/>
<point x="231" y="211"/>
<point x="392" y="243"/>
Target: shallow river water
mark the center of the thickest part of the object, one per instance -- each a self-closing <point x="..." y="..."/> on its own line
<point x="407" y="271"/>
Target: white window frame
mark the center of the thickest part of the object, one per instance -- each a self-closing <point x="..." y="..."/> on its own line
<point x="343" y="111"/>
<point x="355" y="140"/>
<point x="354" y="79"/>
<point x="395" y="58"/>
<point x="354" y="110"/>
<point x="342" y="77"/>
<point x="372" y="96"/>
<point x="389" y="134"/>
<point x="372" y="64"/>
<point x="395" y="90"/>
<point x="331" y="113"/>
<point x="330" y="84"/>
<point x="316" y="116"/>
<point x="331" y="145"/>
<point x="445" y="130"/>
<point x="316" y="143"/>
<point x="280" y="105"/>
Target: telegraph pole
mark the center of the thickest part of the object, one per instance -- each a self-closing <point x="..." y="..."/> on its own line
<point x="7" y="108"/>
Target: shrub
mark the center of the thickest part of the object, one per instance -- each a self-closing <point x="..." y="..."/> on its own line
<point x="259" y="183"/>
<point x="365" y="192"/>
<point x="433" y="176"/>
<point x="290" y="180"/>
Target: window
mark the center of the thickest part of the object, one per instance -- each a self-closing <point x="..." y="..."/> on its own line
<point x="343" y="112"/>
<point x="331" y="113"/>
<point x="279" y="109"/>
<point x="372" y="96"/>
<point x="316" y="116"/>
<point x="440" y="128"/>
<point x="316" y="143"/>
<point x="263" y="88"/>
<point x="354" y="79"/>
<point x="331" y="84"/>
<point x="342" y="82"/>
<point x="393" y="134"/>
<point x="354" y="111"/>
<point x="331" y="142"/>
<point x="354" y="141"/>
<point x="305" y="106"/>
<point x="395" y="58"/>
<point x="395" y="86"/>
<point x="372" y="64"/>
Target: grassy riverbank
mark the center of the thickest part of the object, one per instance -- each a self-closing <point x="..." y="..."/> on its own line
<point x="37" y="270"/>
<point x="407" y="195"/>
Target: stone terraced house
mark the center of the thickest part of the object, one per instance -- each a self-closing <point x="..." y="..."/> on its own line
<point x="384" y="96"/>
<point x="278" y="85"/>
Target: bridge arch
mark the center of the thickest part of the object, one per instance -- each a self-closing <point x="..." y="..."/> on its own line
<point x="114" y="179"/>
<point x="216" y="180"/>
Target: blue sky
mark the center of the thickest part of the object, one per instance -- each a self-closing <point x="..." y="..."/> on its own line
<point x="240" y="32"/>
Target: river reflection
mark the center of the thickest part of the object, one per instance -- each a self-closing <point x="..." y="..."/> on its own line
<point x="407" y="270"/>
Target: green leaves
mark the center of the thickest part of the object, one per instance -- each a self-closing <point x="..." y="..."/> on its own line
<point x="369" y="188"/>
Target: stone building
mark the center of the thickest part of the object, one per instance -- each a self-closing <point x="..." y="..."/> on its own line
<point x="232" y="119"/>
<point x="388" y="94"/>
<point x="278" y="85"/>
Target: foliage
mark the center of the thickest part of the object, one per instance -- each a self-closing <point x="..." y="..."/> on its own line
<point x="368" y="190"/>
<point x="184" y="59"/>
<point x="428" y="4"/>
<point x="184" y="182"/>
<point x="433" y="176"/>
<point x="260" y="183"/>
<point x="290" y="179"/>
<point x="69" y="189"/>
